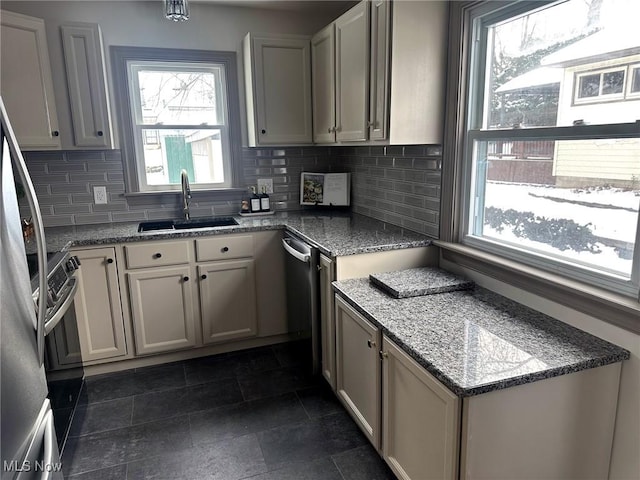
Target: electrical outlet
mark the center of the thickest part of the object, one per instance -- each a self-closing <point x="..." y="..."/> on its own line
<point x="266" y="182"/>
<point x="100" y="195"/>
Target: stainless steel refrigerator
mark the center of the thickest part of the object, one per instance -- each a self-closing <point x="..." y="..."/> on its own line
<point x="28" y="441"/>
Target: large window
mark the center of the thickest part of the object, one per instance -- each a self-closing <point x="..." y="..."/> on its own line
<point x="180" y="112"/>
<point x="552" y="167"/>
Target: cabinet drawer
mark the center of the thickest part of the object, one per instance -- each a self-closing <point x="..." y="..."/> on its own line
<point x="224" y="247"/>
<point x="157" y="254"/>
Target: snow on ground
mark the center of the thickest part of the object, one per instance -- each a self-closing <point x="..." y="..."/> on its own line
<point x="613" y="223"/>
<point x="607" y="259"/>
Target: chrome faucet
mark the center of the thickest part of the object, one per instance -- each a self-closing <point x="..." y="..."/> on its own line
<point x="186" y="194"/>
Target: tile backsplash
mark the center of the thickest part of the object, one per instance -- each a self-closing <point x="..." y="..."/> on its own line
<point x="397" y="184"/>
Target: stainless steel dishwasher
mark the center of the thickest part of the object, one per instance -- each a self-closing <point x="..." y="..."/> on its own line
<point x="303" y="295"/>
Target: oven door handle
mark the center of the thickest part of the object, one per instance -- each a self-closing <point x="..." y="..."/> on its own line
<point x="52" y="322"/>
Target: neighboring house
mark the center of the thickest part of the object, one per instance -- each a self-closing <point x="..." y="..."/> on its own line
<point x="599" y="82"/>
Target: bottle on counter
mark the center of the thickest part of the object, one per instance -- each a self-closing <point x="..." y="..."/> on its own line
<point x="245" y="206"/>
<point x="265" y="204"/>
<point x="254" y="201"/>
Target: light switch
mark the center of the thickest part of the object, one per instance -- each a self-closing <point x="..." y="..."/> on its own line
<point x="267" y="182"/>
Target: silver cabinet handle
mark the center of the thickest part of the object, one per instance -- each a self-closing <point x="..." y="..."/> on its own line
<point x="371" y="344"/>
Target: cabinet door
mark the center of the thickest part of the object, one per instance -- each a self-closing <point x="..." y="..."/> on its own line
<point x="324" y="79"/>
<point x="352" y="73"/>
<point x="63" y="343"/>
<point x="97" y="305"/>
<point x="379" y="80"/>
<point x="25" y="82"/>
<point x="281" y="74"/>
<point x="82" y="48"/>
<point x="327" y="324"/>
<point x="162" y="309"/>
<point x="358" y="369"/>
<point x="228" y="300"/>
<point x="420" y="419"/>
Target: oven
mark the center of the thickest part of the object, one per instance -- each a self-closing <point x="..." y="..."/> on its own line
<point x="65" y="381"/>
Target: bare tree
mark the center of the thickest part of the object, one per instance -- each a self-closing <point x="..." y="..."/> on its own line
<point x="593" y="15"/>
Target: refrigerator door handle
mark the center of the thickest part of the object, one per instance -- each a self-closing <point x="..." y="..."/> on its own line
<point x="50" y="447"/>
<point x="41" y="245"/>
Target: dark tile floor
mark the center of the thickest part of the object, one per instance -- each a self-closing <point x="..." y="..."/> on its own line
<point x="254" y="414"/>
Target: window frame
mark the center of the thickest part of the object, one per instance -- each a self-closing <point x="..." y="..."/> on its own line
<point x="551" y="283"/>
<point x="600" y="97"/>
<point x="632" y="68"/>
<point x="120" y="58"/>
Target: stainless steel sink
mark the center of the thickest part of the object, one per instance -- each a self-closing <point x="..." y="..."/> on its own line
<point x="154" y="225"/>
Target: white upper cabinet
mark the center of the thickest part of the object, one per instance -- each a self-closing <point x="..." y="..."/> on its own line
<point x="378" y="123"/>
<point x="379" y="74"/>
<point x="278" y="88"/>
<point x="84" y="62"/>
<point x="418" y="72"/>
<point x="340" y="69"/>
<point x="25" y="82"/>
<point x="352" y="74"/>
<point x="323" y="70"/>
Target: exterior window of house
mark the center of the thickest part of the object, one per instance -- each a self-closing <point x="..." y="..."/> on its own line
<point x="179" y="111"/>
<point x="634" y="83"/>
<point x="552" y="178"/>
<point x="606" y="85"/>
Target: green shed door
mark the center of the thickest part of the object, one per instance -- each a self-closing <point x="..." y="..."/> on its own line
<point x="178" y="157"/>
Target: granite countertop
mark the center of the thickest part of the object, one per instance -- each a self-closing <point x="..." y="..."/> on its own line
<point x="475" y="341"/>
<point x="335" y="235"/>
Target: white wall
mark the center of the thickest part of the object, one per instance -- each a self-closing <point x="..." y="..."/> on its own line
<point x="625" y="460"/>
<point x="142" y="23"/>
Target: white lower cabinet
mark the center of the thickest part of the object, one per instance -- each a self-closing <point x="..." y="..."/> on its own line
<point x="98" y="310"/>
<point x="227" y="300"/>
<point x="186" y="293"/>
<point x="327" y="326"/>
<point x="358" y="369"/>
<point x="93" y="331"/>
<point x="548" y="429"/>
<point x="420" y="419"/>
<point x="162" y="309"/>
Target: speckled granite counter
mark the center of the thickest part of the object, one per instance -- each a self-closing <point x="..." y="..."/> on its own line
<point x="334" y="234"/>
<point x="475" y="341"/>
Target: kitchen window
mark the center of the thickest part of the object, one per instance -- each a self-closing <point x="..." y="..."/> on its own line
<point x="544" y="180"/>
<point x="179" y="110"/>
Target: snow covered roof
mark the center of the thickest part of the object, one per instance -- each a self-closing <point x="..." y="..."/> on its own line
<point x="608" y="43"/>
<point x="602" y="45"/>
<point x="534" y="78"/>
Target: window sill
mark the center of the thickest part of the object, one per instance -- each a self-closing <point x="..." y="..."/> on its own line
<point x="610" y="307"/>
<point x="217" y="192"/>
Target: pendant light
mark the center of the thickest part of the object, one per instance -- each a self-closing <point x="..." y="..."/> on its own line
<point x="176" y="10"/>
